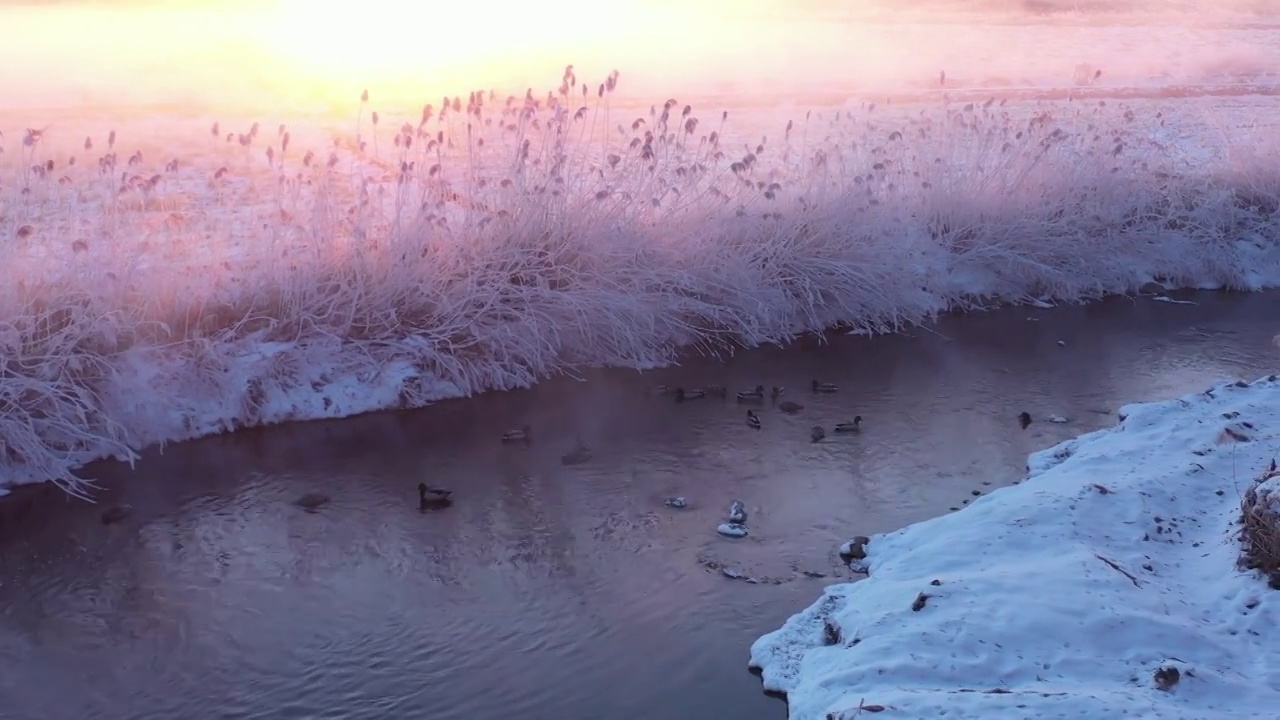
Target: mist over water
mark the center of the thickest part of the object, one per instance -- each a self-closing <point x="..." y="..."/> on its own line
<point x="298" y="57"/>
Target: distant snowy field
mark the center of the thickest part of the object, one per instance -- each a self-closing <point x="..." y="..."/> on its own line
<point x="1104" y="586"/>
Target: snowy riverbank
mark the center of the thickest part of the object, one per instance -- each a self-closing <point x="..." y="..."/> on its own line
<point x="1073" y="594"/>
<point x="211" y="293"/>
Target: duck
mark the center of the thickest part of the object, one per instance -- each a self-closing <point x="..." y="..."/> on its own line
<point x="817" y="434"/>
<point x="433" y="497"/>
<point x="115" y="514"/>
<point x="753" y="420"/>
<point x="311" y="501"/>
<point x="1024" y="419"/>
<point x="513" y="436"/>
<point x="824" y="387"/>
<point x="752" y="395"/>
<point x="716" y="391"/>
<point x="776" y="393"/>
<point x="789" y="407"/>
<point x="732" y="530"/>
<point x="682" y="394"/>
<point x="737" y="512"/>
<point x="577" y="456"/>
<point x="677" y="501"/>
<point x="850" y="427"/>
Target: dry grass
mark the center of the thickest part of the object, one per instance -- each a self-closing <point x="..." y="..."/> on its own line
<point x="261" y="274"/>
<point x="1260" y="523"/>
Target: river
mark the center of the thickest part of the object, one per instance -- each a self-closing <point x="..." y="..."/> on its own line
<point x="552" y="591"/>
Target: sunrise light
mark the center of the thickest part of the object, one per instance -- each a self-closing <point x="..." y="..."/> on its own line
<point x="409" y="41"/>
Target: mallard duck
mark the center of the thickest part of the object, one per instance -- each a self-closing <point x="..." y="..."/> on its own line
<point x="115" y="514"/>
<point x="678" y="502"/>
<point x="822" y="387"/>
<point x="716" y="391"/>
<point x="682" y="394"/>
<point x="817" y="433"/>
<point x="433" y="497"/>
<point x="789" y="407"/>
<point x="1024" y="419"/>
<point x="737" y="512"/>
<point x="850" y="427"/>
<point x="311" y="501"/>
<point x="776" y="393"/>
<point x="514" y="436"/>
<point x="752" y="395"/>
<point x="753" y="420"/>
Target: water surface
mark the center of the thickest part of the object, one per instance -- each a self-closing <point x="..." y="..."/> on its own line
<point x="550" y="591"/>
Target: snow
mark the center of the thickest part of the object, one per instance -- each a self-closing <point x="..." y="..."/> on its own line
<point x="219" y="287"/>
<point x="1068" y="595"/>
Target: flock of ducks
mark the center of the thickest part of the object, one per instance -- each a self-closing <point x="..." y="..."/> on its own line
<point x="735" y="522"/>
<point x="436" y="498"/>
<point x="756" y="397"/>
<point x="429" y="498"/>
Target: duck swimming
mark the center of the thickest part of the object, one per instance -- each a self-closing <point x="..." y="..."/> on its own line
<point x="514" y="436"/>
<point x="678" y="502"/>
<point x="682" y="394"/>
<point x="850" y="427"/>
<point x="752" y="395"/>
<point x="311" y="501"/>
<point x="789" y="407"/>
<point x="737" y="512"/>
<point x="433" y="497"/>
<point x="753" y="420"/>
<point x="824" y="387"/>
<point x="1024" y="419"/>
<point x="115" y="514"/>
<point x="817" y="433"/>
<point x="733" y="530"/>
<point x="577" y="456"/>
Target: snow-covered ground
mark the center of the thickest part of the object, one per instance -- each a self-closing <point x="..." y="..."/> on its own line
<point x="166" y="286"/>
<point x="1104" y="586"/>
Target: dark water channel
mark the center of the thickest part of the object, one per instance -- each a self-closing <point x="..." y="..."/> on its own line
<point x="552" y="592"/>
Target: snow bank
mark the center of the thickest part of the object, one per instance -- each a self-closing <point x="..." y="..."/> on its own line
<point x="1074" y="594"/>
<point x="161" y="293"/>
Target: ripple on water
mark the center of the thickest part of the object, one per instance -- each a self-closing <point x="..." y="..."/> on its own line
<point x="550" y="591"/>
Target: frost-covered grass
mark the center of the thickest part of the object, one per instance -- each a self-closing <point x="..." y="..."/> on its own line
<point x="1105" y="586"/>
<point x="263" y="273"/>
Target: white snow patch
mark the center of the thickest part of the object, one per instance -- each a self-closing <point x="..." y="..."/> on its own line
<point x="1063" y="596"/>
